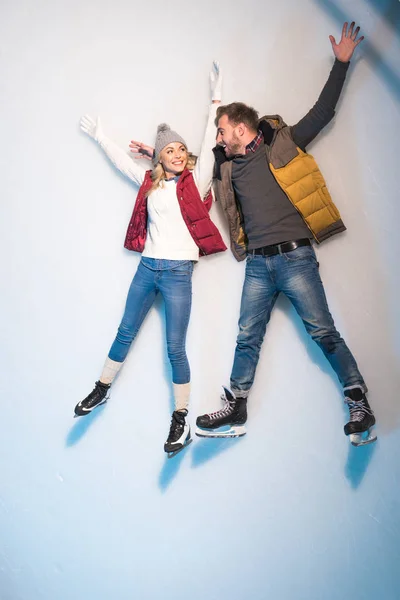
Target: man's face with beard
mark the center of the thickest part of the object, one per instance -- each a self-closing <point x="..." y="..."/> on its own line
<point x="227" y="137"/>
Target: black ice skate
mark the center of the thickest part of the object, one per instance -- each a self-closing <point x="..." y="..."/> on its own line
<point x="228" y="422"/>
<point x="96" y="397"/>
<point x="360" y="428"/>
<point x="179" y="434"/>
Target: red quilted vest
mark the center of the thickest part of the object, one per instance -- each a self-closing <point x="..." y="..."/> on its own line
<point x="194" y="212"/>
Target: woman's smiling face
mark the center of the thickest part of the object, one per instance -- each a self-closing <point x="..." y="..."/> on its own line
<point x="174" y="158"/>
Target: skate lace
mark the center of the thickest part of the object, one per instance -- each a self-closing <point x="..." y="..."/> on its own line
<point x="97" y="394"/>
<point x="223" y="412"/>
<point x="357" y="410"/>
<point x="175" y="429"/>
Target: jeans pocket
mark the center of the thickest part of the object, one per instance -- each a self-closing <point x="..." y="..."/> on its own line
<point x="303" y="253"/>
<point x="186" y="267"/>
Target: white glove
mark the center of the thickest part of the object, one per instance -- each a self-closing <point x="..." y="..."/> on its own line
<point x="92" y="128"/>
<point x="216" y="81"/>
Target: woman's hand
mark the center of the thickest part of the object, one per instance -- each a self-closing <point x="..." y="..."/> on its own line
<point x="141" y="150"/>
<point x="92" y="128"/>
<point x="216" y="82"/>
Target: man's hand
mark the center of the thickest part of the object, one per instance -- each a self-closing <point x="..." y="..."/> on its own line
<point x="92" y="128"/>
<point x="345" y="48"/>
<point x="141" y="150"/>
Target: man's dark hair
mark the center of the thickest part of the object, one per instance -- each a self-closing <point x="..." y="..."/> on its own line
<point x="237" y="112"/>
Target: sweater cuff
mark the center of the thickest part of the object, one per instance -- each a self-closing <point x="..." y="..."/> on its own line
<point x="338" y="64"/>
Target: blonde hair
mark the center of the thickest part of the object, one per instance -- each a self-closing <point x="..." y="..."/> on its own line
<point x="158" y="173"/>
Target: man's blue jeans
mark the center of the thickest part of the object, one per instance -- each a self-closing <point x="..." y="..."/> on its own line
<point x="173" y="279"/>
<point x="296" y="275"/>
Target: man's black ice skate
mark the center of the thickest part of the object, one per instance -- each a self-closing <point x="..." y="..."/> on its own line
<point x="360" y="428"/>
<point x="96" y="397"/>
<point x="179" y="433"/>
<point x="227" y="422"/>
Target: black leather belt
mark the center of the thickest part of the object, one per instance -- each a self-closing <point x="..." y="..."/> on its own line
<point x="281" y="248"/>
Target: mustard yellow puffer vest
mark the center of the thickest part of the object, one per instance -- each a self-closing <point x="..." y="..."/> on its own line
<point x="298" y="175"/>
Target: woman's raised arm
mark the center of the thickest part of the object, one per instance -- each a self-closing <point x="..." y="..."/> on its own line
<point x="122" y="161"/>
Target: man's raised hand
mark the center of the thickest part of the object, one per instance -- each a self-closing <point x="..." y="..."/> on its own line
<point x="348" y="43"/>
<point x="140" y="150"/>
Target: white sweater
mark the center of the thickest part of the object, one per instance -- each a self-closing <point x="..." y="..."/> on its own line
<point x="167" y="234"/>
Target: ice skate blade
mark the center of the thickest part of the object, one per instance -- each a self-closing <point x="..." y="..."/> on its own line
<point x="234" y="431"/>
<point x="361" y="439"/>
<point x="175" y="452"/>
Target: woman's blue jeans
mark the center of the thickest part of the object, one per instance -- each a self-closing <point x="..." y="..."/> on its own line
<point x="173" y="279"/>
<point x="296" y="275"/>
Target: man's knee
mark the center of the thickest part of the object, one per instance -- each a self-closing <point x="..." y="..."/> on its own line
<point x="249" y="338"/>
<point x="328" y="339"/>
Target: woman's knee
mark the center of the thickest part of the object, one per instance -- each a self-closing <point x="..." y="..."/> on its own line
<point x="125" y="334"/>
<point x="176" y="354"/>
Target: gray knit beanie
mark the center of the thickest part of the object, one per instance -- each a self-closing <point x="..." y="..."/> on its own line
<point x="165" y="136"/>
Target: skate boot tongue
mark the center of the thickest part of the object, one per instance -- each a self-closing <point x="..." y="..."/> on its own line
<point x="179" y="415"/>
<point x="229" y="397"/>
<point x="178" y="422"/>
<point x="354" y="394"/>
